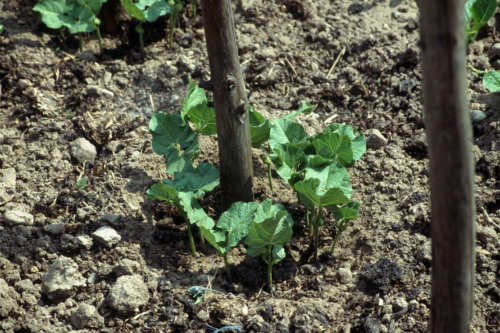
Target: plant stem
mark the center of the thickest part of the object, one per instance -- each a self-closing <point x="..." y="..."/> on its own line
<point x="477" y="71"/>
<point x="81" y="41"/>
<point x="99" y="37"/>
<point x="193" y="249"/>
<point x="141" y="42"/>
<point x="61" y="29"/>
<point x="269" y="266"/>
<point x="270" y="178"/>
<point x="194" y="7"/>
<point x="337" y="235"/>
<point x="227" y="268"/>
<point x="202" y="242"/>
<point x="173" y="18"/>
<point x="316" y="239"/>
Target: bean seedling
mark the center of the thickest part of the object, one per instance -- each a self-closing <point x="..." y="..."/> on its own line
<point x="146" y="11"/>
<point x="271" y="228"/>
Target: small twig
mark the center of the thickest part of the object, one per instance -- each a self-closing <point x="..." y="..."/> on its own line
<point x="367" y="93"/>
<point x="136" y="316"/>
<point x="291" y="66"/>
<point x="335" y="62"/>
<point x="488" y="217"/>
<point x="152" y="103"/>
<point x="270" y="71"/>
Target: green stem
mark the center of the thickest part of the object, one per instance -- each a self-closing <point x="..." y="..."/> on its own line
<point x="227" y="268"/>
<point x="270" y="177"/>
<point x="173" y="18"/>
<point x="316" y="239"/>
<point x="477" y="71"/>
<point x="337" y="235"/>
<point x="202" y="242"/>
<point x="194" y="7"/>
<point x="99" y="37"/>
<point x="81" y="41"/>
<point x="191" y="240"/>
<point x="298" y="197"/>
<point x="141" y="42"/>
<point x="61" y="30"/>
<point x="269" y="267"/>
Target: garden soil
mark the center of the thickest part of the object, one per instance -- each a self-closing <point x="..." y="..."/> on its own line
<point x="358" y="62"/>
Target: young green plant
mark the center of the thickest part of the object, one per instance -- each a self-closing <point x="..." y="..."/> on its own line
<point x="146" y="11"/>
<point x="271" y="228"/>
<point x="231" y="228"/>
<point x="477" y="14"/>
<point x="74" y="15"/>
<point x="174" y="139"/>
<point x="177" y="6"/>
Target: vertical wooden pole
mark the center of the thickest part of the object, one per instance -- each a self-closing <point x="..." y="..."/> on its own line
<point x="231" y="103"/>
<point x="449" y="134"/>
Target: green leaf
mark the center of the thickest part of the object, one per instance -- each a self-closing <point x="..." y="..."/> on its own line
<point x="188" y="202"/>
<point x="335" y="146"/>
<point x="133" y="10"/>
<point x="285" y="131"/>
<point x="304" y="107"/>
<point x="1" y="29"/>
<point x="350" y="211"/>
<point x="153" y="9"/>
<point x="260" y="128"/>
<point x="235" y="221"/>
<point x="483" y="10"/>
<point x="287" y="160"/>
<point x="491" y="81"/>
<point x="84" y="20"/>
<point x="278" y="253"/>
<point x="212" y="236"/>
<point x="272" y="226"/>
<point x="311" y="194"/>
<point x="55" y="13"/>
<point x="205" y="178"/>
<point x="177" y="162"/>
<point x="195" y="96"/>
<point x="331" y="175"/>
<point x="162" y="192"/>
<point x="94" y="5"/>
<point x="170" y="131"/>
<point x="203" y="117"/>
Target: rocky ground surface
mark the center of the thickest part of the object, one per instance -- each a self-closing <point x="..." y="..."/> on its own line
<point x="103" y="258"/>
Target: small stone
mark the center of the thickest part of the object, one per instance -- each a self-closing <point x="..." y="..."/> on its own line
<point x="7" y="303"/>
<point x="55" y="229"/>
<point x="68" y="242"/>
<point x="23" y="84"/>
<point x="399" y="304"/>
<point x="83" y="151"/>
<point x="106" y="236"/>
<point x="204" y="278"/>
<point x="86" y="316"/>
<point x="374" y="139"/>
<point x="486" y="234"/>
<point x="478" y="115"/>
<point x="8" y="177"/>
<point x="372" y="325"/>
<point x="87" y="55"/>
<point x="203" y="316"/>
<point x="413" y="305"/>
<point x="15" y="217"/>
<point x="386" y="318"/>
<point x="244" y="310"/>
<point x="126" y="267"/>
<point x="107" y="78"/>
<point x="344" y="275"/>
<point x="94" y="91"/>
<point x="84" y="241"/>
<point x="424" y="253"/>
<point x="495" y="49"/>
<point x="186" y="64"/>
<point x="60" y="281"/>
<point x="265" y="53"/>
<point x="128" y="294"/>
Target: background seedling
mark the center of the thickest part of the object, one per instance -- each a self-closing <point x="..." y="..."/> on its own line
<point x="177" y="6"/>
<point x="271" y="228"/>
<point x="73" y="14"/>
<point x="146" y="10"/>
<point x="477" y="14"/>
